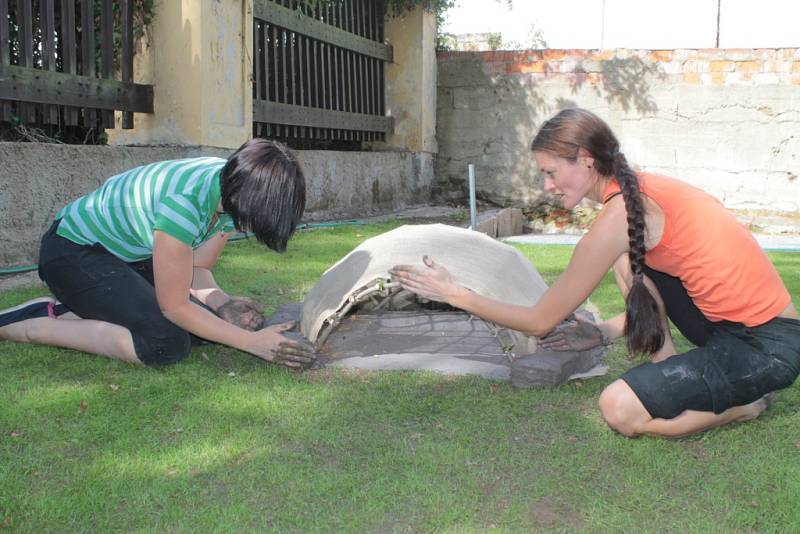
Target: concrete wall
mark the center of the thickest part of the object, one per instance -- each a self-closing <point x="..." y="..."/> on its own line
<point x="36" y="180"/>
<point x="725" y="120"/>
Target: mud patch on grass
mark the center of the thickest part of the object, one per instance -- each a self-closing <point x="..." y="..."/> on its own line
<point x="550" y="512"/>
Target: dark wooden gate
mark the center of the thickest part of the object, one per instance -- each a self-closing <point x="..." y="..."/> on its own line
<point x="318" y="72"/>
<point x="59" y="60"/>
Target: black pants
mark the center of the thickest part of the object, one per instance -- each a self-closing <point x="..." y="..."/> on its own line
<point x="733" y="364"/>
<point x="95" y="284"/>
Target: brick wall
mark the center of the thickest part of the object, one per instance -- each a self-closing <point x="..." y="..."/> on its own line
<point x="706" y="66"/>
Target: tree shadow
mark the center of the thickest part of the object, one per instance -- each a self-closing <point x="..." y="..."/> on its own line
<point x="624" y="82"/>
<point x="489" y="106"/>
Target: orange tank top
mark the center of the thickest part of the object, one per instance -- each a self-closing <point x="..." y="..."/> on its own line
<point x="721" y="265"/>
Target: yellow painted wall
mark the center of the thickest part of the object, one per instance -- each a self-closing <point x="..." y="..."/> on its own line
<point x="197" y="56"/>
<point x="411" y="81"/>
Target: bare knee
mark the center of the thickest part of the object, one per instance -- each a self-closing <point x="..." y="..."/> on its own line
<point x="622" y="409"/>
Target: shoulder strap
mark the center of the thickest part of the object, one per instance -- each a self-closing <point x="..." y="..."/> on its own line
<point x="612" y="195"/>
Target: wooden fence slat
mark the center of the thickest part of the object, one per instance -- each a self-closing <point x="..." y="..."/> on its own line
<point x="354" y="4"/>
<point x="314" y="85"/>
<point x="301" y="72"/>
<point x="287" y="18"/>
<point x="362" y="85"/>
<point x="258" y="60"/>
<point x="88" y="55"/>
<point x="68" y="53"/>
<point x="370" y="20"/>
<point x="265" y="44"/>
<point x="337" y="89"/>
<point x="348" y="76"/>
<point x="27" y="112"/>
<point x="266" y="128"/>
<point x="361" y="14"/>
<point x="356" y="84"/>
<point x="25" y="9"/>
<point x="41" y="86"/>
<point x="308" y="53"/>
<point x="126" y="19"/>
<point x="368" y="84"/>
<point x="47" y="23"/>
<point x="284" y="86"/>
<point x="5" y="52"/>
<point x="274" y="69"/>
<point x="323" y="76"/>
<point x="5" y="55"/>
<point x="376" y="85"/>
<point x="330" y="52"/>
<point x="107" y="53"/>
<point x="293" y="57"/>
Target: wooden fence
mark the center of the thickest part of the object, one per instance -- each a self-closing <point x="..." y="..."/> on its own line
<point x="58" y="63"/>
<point x="319" y="71"/>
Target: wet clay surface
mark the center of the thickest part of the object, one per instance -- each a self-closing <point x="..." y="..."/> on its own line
<point x="449" y="342"/>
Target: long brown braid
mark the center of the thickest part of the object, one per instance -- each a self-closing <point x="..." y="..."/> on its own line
<point x="563" y="136"/>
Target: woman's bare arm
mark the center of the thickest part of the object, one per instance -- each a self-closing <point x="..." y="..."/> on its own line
<point x="593" y="257"/>
<point x="204" y="286"/>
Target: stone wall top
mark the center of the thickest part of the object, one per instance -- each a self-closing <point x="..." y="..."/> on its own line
<point x="703" y="66"/>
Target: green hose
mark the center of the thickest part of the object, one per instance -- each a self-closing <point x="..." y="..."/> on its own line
<point x="236" y="237"/>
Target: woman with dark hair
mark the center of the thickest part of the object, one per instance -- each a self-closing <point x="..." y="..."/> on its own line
<point x="131" y="262"/>
<point x="676" y="253"/>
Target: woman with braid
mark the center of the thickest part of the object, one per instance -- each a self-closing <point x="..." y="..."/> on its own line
<point x="676" y="253"/>
<point x="131" y="263"/>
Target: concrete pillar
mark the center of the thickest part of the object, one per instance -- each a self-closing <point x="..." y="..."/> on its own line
<point x="411" y="81"/>
<point x="198" y="56"/>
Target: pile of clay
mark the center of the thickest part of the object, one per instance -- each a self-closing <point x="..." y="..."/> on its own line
<point x="359" y="318"/>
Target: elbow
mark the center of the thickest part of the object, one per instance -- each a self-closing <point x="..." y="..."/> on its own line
<point x="536" y="332"/>
<point x="173" y="312"/>
<point x="170" y="314"/>
<point x="540" y="327"/>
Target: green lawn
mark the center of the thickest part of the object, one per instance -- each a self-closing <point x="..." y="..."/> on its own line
<point x="223" y="442"/>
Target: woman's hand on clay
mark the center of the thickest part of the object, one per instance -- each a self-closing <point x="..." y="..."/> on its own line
<point x="270" y="345"/>
<point x="242" y="312"/>
<point x="574" y="335"/>
<point x="432" y="282"/>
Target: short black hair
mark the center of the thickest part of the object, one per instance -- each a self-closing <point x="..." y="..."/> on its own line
<point x="264" y="191"/>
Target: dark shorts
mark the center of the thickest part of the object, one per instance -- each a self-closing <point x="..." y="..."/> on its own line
<point x="733" y="364"/>
<point x="95" y="284"/>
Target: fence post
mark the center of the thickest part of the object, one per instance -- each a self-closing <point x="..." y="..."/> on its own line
<point x="198" y="55"/>
<point x="411" y="81"/>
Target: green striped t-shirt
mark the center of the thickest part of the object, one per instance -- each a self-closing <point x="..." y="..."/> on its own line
<point x="178" y="197"/>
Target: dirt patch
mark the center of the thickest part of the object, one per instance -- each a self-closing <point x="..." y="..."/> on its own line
<point x="550" y="512"/>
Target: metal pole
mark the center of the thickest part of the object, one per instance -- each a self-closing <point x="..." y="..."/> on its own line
<point x="473" y="216"/>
